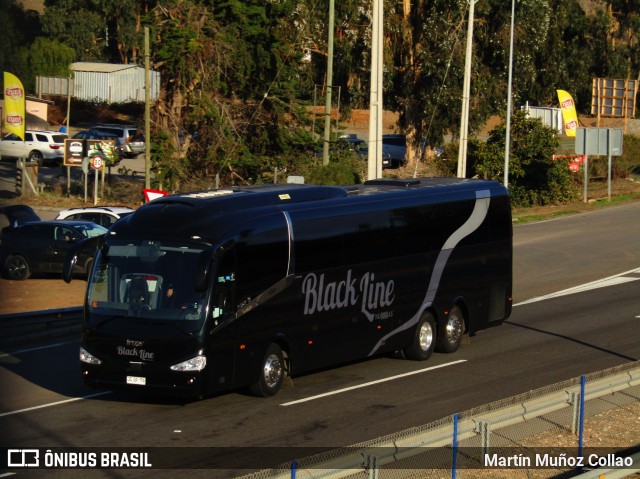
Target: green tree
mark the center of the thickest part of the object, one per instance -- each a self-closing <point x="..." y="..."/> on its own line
<point x="535" y="178"/>
<point x="229" y="87"/>
<point x="19" y="28"/>
<point x="100" y="30"/>
<point x="45" y="58"/>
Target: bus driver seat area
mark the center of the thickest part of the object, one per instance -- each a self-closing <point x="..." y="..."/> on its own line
<point x="137" y="291"/>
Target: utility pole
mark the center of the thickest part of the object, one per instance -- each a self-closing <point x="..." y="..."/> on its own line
<point x="374" y="157"/>
<point x="507" y="141"/>
<point x="147" y="112"/>
<point x="466" y="93"/>
<point x="327" y="105"/>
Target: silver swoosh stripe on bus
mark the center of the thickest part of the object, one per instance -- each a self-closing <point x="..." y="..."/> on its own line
<point x="474" y="221"/>
<point x="290" y="265"/>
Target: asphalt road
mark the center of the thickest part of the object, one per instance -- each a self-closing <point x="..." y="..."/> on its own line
<point x="43" y="402"/>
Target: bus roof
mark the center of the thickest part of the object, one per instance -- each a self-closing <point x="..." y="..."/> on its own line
<point x="184" y="213"/>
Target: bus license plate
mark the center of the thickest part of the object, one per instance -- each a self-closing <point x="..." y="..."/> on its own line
<point x="136" y="380"/>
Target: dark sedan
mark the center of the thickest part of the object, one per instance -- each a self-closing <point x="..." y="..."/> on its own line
<point x="42" y="246"/>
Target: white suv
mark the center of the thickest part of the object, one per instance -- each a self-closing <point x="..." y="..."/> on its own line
<point x="102" y="215"/>
<point x="38" y="146"/>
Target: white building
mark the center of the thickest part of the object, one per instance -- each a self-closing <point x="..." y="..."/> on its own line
<point x="102" y="82"/>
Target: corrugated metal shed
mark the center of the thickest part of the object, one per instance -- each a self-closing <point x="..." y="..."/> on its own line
<point x="108" y="82"/>
<point x="551" y="117"/>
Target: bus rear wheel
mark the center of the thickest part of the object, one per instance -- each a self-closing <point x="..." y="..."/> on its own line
<point x="451" y="332"/>
<point x="423" y="340"/>
<point x="271" y="373"/>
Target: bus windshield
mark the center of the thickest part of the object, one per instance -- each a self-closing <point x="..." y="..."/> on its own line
<point x="147" y="279"/>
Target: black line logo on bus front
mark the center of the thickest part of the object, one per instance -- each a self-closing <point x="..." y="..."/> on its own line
<point x="133" y="349"/>
<point x="325" y="296"/>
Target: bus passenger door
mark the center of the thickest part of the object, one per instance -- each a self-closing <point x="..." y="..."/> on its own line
<point x="222" y="330"/>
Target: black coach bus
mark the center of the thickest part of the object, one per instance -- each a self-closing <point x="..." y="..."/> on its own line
<point x="214" y="290"/>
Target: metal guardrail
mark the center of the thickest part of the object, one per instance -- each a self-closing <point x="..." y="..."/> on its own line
<point x="352" y="461"/>
<point x="23" y="327"/>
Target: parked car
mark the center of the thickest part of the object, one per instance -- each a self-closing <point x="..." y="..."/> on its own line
<point x="42" y="246"/>
<point x="102" y="136"/>
<point x="38" y="146"/>
<point x="392" y="155"/>
<point x="102" y="215"/>
<point x="16" y="215"/>
<point x="396" y="147"/>
<point x="130" y="137"/>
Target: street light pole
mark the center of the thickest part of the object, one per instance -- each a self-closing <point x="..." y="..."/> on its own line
<point x="507" y="141"/>
<point x="329" y="86"/>
<point x="374" y="157"/>
<point x="466" y="93"/>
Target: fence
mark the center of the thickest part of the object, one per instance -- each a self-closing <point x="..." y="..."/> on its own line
<point x="562" y="430"/>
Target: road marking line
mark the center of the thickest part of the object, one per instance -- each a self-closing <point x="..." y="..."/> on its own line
<point x="391" y="378"/>
<point x="599" y="283"/>
<point x="53" y="404"/>
<point x="3" y="355"/>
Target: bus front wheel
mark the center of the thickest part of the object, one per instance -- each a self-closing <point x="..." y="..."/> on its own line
<point x="451" y="332"/>
<point x="271" y="373"/>
<point x="424" y="339"/>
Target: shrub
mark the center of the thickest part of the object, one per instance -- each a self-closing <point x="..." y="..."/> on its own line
<point x="534" y="177"/>
<point x="333" y="174"/>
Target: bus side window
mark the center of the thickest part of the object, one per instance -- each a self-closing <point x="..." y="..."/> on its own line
<point x="224" y="287"/>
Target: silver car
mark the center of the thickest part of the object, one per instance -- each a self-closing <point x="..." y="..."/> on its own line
<point x="130" y="137"/>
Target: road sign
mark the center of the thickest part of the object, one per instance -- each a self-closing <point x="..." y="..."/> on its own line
<point x="599" y="141"/>
<point x="150" y="195"/>
<point x="97" y="162"/>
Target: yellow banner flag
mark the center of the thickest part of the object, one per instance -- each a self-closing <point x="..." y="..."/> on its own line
<point x="14" y="105"/>
<point x="569" y="115"/>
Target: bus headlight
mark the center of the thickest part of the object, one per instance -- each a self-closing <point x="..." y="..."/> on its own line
<point x="88" y="358"/>
<point x="194" y="364"/>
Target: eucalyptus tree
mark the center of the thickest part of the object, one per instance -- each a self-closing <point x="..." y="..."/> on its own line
<point x="99" y="30"/>
<point x="562" y="60"/>
<point x="19" y="28"/>
<point x="230" y="71"/>
<point x="43" y="57"/>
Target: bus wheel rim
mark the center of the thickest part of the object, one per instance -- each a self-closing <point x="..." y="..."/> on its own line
<point x="454" y="328"/>
<point x="426" y="336"/>
<point x="272" y="370"/>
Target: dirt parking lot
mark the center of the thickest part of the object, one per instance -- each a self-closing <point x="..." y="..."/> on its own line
<point x="40" y="294"/>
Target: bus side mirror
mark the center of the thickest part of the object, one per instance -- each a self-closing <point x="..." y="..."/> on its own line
<point x="74" y="252"/>
<point x="69" y="263"/>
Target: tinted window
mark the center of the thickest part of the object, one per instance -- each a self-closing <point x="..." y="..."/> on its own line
<point x="38" y="232"/>
<point x="264" y="250"/>
<point x="332" y="242"/>
<point x="394" y="140"/>
<point x="94" y="217"/>
<point x="27" y="137"/>
<point x="42" y="138"/>
<point x="65" y="233"/>
<point x="113" y="131"/>
<point x="59" y="138"/>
